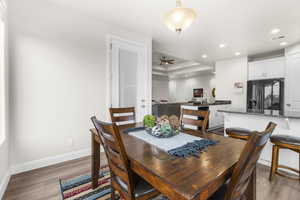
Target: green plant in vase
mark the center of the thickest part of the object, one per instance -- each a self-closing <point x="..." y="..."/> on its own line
<point x="149" y="121"/>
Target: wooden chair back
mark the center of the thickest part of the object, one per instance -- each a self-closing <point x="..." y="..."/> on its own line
<point x="121" y="174"/>
<point x="201" y="121"/>
<point x="270" y="128"/>
<point x="123" y="117"/>
<point x="247" y="163"/>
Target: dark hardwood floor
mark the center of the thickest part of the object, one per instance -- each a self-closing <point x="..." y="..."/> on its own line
<point x="42" y="184"/>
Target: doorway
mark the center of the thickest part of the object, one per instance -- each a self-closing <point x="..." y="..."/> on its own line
<point x="129" y="76"/>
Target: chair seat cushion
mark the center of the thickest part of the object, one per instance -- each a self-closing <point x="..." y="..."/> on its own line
<point x="286" y="139"/>
<point x="219" y="194"/>
<point x="141" y="187"/>
<point x="238" y="131"/>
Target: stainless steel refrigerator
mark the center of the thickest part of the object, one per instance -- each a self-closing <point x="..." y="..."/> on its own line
<point x="266" y="96"/>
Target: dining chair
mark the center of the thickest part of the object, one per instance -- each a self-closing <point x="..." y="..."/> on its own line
<point x="123" y="117"/>
<point x="128" y="184"/>
<point x="236" y="187"/>
<point x="198" y="120"/>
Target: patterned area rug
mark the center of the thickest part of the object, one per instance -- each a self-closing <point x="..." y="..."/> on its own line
<point x="80" y="187"/>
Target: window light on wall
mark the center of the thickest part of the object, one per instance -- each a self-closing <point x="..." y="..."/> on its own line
<point x="2" y="70"/>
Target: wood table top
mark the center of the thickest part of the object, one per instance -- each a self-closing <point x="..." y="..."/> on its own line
<point x="184" y="177"/>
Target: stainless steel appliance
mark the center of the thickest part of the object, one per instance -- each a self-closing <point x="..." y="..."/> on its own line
<point x="266" y="96"/>
<point x="198" y="96"/>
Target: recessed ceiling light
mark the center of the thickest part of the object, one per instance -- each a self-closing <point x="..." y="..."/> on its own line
<point x="275" y="31"/>
<point x="204" y="56"/>
<point x="222" y="45"/>
<point x="283" y="43"/>
<point x="237" y="53"/>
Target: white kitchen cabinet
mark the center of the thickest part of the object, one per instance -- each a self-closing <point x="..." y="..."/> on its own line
<point x="267" y="69"/>
<point x="212" y="116"/>
<point x="216" y="118"/>
<point x="292" y="94"/>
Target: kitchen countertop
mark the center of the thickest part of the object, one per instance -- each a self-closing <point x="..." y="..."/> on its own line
<point x="292" y="115"/>
<point x="163" y="103"/>
<point x="218" y="102"/>
<point x="208" y="104"/>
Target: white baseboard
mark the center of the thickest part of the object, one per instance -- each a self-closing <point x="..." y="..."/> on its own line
<point x="44" y="162"/>
<point x="4" y="183"/>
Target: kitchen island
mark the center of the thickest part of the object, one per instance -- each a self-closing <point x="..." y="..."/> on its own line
<point x="287" y="123"/>
<point x="159" y="109"/>
<point x="215" y="118"/>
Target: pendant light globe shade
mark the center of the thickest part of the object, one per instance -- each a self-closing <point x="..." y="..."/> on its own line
<point x="178" y="19"/>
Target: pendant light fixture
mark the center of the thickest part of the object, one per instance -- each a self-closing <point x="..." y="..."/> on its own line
<point x="179" y="18"/>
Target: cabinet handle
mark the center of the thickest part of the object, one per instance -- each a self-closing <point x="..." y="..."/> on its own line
<point x="288" y="105"/>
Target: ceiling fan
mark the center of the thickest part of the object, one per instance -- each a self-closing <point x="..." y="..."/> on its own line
<point x="165" y="61"/>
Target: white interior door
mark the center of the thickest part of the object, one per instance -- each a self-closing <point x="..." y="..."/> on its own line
<point x="129" y="77"/>
<point x="292" y="83"/>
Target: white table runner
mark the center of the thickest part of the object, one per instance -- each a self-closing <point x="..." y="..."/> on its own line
<point x="165" y="144"/>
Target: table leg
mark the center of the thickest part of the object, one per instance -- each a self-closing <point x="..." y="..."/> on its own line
<point x="95" y="161"/>
<point x="251" y="190"/>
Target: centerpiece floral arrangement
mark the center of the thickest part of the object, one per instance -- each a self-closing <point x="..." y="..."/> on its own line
<point x="162" y="127"/>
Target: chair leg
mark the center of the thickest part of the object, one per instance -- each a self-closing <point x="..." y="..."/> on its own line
<point x="113" y="197"/>
<point x="274" y="164"/>
<point x="277" y="158"/>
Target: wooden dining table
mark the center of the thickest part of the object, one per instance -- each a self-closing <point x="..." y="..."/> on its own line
<point x="191" y="178"/>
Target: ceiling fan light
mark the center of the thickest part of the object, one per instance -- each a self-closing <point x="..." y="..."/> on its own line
<point x="178" y="19"/>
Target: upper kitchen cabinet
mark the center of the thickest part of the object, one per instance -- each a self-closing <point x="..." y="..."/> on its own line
<point x="292" y="100"/>
<point x="267" y="69"/>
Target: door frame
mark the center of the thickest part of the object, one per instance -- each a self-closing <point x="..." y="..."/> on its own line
<point x="147" y="48"/>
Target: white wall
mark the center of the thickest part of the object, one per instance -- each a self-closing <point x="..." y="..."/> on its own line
<point x="292" y="49"/>
<point x="4" y="144"/>
<point x="229" y="72"/>
<point x="160" y="88"/>
<point x="58" y="80"/>
<point x="181" y="90"/>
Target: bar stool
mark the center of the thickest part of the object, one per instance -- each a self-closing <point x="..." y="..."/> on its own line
<point x="244" y="134"/>
<point x="284" y="142"/>
<point x="238" y="133"/>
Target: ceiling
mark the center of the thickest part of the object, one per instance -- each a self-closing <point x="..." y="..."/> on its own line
<point x="181" y="68"/>
<point x="156" y="56"/>
<point x="243" y="25"/>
